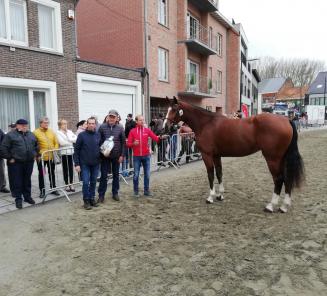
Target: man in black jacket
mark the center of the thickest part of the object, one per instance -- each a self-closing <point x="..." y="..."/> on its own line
<point x="20" y="148"/>
<point x="87" y="159"/>
<point x="106" y="130"/>
<point x="128" y="161"/>
<point x="3" y="188"/>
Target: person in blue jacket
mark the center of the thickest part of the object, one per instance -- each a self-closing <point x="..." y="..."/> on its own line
<point x="87" y="159"/>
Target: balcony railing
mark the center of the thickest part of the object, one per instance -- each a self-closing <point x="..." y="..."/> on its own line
<point x="206" y="5"/>
<point x="200" y="38"/>
<point x="199" y="85"/>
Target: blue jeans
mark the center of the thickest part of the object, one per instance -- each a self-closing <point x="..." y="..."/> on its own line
<point x="173" y="147"/>
<point x="105" y="165"/>
<point x="89" y="177"/>
<point x="145" y="162"/>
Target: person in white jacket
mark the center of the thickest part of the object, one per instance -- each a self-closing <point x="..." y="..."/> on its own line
<point x="66" y="139"/>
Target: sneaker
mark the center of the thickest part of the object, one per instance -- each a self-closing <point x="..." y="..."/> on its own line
<point x="72" y="188"/>
<point x="136" y="194"/>
<point x="55" y="193"/>
<point x="30" y="201"/>
<point x="19" y="204"/>
<point x="87" y="205"/>
<point x="116" y="197"/>
<point x="67" y="189"/>
<point x="5" y="190"/>
<point x="147" y="193"/>
<point x="93" y="203"/>
<point x="100" y="199"/>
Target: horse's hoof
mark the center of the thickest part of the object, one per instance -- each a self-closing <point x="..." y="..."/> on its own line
<point x="220" y="198"/>
<point x="209" y="201"/>
<point x="269" y="209"/>
<point x="283" y="210"/>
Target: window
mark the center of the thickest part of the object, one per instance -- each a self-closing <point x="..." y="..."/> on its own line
<point x="50" y="33"/>
<point x="219" y="44"/>
<point x="163" y="64"/>
<point x="210" y="80"/>
<point x="210" y="37"/>
<point x="162" y="12"/>
<point x="193" y="76"/>
<point x="13" y="21"/>
<point x="21" y="103"/>
<point x="219" y="81"/>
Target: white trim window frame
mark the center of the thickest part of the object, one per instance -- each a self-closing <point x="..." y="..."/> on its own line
<point x="163" y="70"/>
<point x="56" y="25"/>
<point x="48" y="87"/>
<point x="163" y="12"/>
<point x="219" y="44"/>
<point x="8" y="22"/>
<point x="219" y="81"/>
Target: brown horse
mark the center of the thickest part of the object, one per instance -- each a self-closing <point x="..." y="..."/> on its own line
<point x="218" y="136"/>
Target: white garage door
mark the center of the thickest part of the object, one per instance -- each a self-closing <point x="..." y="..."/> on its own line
<point x="99" y="103"/>
<point x="98" y="94"/>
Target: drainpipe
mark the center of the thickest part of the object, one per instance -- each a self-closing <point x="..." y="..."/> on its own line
<point x="146" y="59"/>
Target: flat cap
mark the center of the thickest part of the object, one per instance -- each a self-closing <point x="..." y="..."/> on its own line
<point x="21" y="121"/>
<point x="113" y="112"/>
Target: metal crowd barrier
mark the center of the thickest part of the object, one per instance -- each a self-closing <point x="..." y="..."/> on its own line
<point x="56" y="169"/>
<point x="56" y="166"/>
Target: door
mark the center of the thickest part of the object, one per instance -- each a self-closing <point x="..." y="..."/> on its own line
<point x="193" y="76"/>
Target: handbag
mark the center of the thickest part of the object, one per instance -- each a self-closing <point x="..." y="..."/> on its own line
<point x="56" y="157"/>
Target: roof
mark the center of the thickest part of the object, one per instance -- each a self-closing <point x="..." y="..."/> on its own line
<point x="292" y="93"/>
<point x="224" y="21"/>
<point x="318" y="85"/>
<point x="271" y="85"/>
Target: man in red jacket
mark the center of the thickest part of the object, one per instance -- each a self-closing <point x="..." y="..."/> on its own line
<point x="138" y="140"/>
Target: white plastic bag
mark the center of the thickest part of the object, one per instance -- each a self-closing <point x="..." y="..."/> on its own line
<point x="107" y="146"/>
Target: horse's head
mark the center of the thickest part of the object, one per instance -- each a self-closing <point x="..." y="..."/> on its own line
<point x="174" y="113"/>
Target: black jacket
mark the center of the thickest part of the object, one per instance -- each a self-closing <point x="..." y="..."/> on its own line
<point x="128" y="126"/>
<point x="2" y="135"/>
<point x="87" y="148"/>
<point x="20" y="146"/>
<point x="117" y="131"/>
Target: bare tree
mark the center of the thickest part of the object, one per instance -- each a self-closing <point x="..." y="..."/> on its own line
<point x="301" y="71"/>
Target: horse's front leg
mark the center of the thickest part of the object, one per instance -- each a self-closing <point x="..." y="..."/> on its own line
<point x="219" y="174"/>
<point x="208" y="161"/>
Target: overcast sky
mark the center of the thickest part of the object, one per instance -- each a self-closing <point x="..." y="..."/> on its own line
<point x="281" y="28"/>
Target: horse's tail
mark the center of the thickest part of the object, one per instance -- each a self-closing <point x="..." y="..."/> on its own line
<point x="294" y="167"/>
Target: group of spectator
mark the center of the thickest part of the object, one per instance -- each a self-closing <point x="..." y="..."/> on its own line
<point x="81" y="151"/>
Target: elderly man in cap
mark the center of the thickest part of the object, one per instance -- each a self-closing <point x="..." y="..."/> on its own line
<point x="111" y="129"/>
<point x="3" y="188"/>
<point x="20" y="148"/>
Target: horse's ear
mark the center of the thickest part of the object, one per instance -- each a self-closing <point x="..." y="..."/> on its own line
<point x="175" y="100"/>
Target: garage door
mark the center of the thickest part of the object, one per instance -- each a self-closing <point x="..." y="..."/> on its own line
<point x="98" y="94"/>
<point x="99" y="103"/>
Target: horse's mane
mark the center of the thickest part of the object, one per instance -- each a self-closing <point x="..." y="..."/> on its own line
<point x="207" y="112"/>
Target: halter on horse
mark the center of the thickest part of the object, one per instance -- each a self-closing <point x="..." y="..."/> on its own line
<point x="218" y="136"/>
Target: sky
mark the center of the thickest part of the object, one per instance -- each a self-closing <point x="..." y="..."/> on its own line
<point x="281" y="28"/>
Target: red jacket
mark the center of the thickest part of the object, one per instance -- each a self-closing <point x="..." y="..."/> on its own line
<point x="142" y="134"/>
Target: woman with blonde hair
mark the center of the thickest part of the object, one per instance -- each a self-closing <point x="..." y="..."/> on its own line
<point x="66" y="139"/>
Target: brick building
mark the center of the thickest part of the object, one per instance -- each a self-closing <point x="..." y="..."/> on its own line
<point x="188" y="48"/>
<point x="40" y="75"/>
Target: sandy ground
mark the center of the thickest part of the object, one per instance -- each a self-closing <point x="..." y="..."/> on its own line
<point x="174" y="243"/>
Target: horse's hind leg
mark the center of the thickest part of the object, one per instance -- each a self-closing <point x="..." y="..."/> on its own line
<point x="278" y="178"/>
<point x="208" y="161"/>
<point x="287" y="199"/>
<point x="219" y="174"/>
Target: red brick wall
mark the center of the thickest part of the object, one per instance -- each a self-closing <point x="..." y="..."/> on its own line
<point x="166" y="38"/>
<point x="111" y="31"/>
<point x="233" y="72"/>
